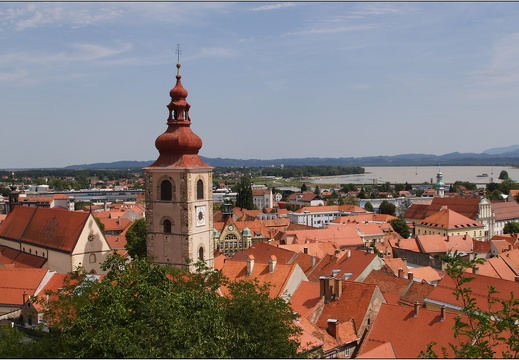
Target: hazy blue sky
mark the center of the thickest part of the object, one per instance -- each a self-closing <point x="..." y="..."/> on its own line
<point x="89" y="82"/>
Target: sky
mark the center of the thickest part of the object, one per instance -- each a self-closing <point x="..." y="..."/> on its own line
<point x="88" y="82"/>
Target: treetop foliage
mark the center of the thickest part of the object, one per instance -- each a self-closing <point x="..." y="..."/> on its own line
<point x="144" y="310"/>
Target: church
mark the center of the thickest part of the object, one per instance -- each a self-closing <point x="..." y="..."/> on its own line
<point x="179" y="192"/>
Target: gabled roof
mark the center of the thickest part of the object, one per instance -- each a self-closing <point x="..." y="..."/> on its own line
<point x="449" y="219"/>
<point x="318" y="249"/>
<point x="408" y="334"/>
<point x="391" y="286"/>
<point x="494" y="267"/>
<point x="353" y="262"/>
<point x="511" y="258"/>
<point x="15" y="282"/>
<point x="278" y="279"/>
<point x="467" y="207"/>
<point x="354" y="304"/>
<point x="427" y="273"/>
<point x="384" y="351"/>
<point x="417" y="211"/>
<point x="19" y="259"/>
<point x="306" y="300"/>
<point x="443" y="292"/>
<point x="263" y="251"/>
<point x="508" y="210"/>
<point x="340" y="235"/>
<point x="49" y="228"/>
<point x="431" y="244"/>
<point x="417" y="291"/>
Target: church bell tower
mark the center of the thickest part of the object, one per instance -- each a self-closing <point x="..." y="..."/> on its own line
<point x="179" y="192"/>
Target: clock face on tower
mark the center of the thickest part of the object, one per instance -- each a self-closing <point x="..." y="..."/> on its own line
<point x="200" y="215"/>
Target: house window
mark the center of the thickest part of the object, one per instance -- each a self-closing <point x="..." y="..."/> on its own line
<point x="199" y="189"/>
<point x="166" y="190"/>
<point x="347" y="352"/>
<point x="201" y="253"/>
<point x="92" y="258"/>
<point x="167" y="226"/>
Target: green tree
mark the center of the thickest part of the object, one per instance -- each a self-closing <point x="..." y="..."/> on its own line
<point x="401" y="227"/>
<point x="13" y="343"/>
<point x="477" y="332"/>
<point x="351" y="200"/>
<point x="511" y="228"/>
<point x="100" y="224"/>
<point x="146" y="310"/>
<point x="317" y="190"/>
<point x="387" y="208"/>
<point x="136" y="239"/>
<point x="503" y="175"/>
<point x="304" y="187"/>
<point x="244" y="194"/>
<point x="368" y="207"/>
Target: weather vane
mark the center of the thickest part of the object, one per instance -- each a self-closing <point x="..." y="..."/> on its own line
<point x="178" y="52"/>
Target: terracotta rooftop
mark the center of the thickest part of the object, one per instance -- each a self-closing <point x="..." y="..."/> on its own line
<point x="494" y="267"/>
<point x="391" y="286"/>
<point x="306" y="300"/>
<point x="50" y="228"/>
<point x="443" y="292"/>
<point x="19" y="259"/>
<point x="441" y="244"/>
<point x="409" y="334"/>
<point x="467" y="207"/>
<point x="447" y="218"/>
<point x="353" y="262"/>
<point x="15" y="282"/>
<point x="508" y="210"/>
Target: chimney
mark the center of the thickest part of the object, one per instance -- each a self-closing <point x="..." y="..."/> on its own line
<point x="404" y="259"/>
<point x="400" y="272"/>
<point x="475" y="269"/>
<point x="332" y="327"/>
<point x="272" y="263"/>
<point x="313" y="261"/>
<point x="325" y="288"/>
<point x="416" y="308"/>
<point x="442" y="312"/>
<point x="305" y="250"/>
<point x="398" y="243"/>
<point x="348" y="254"/>
<point x="410" y="276"/>
<point x="250" y="264"/>
<point x="24" y="297"/>
<point x="448" y="238"/>
<point x="337" y="289"/>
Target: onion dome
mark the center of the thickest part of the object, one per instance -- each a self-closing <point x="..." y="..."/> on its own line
<point x="179" y="145"/>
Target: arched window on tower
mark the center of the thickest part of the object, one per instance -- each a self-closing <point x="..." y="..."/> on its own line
<point x="199" y="189"/>
<point x="166" y="191"/>
<point x="166" y="225"/>
<point x="201" y="253"/>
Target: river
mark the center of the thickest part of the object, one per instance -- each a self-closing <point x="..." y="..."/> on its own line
<point x="421" y="175"/>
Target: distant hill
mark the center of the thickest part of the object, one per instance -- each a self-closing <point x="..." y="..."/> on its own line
<point x="502" y="150"/>
<point x="491" y="157"/>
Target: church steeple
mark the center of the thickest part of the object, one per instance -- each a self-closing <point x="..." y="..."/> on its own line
<point x="179" y="145"/>
<point x="440" y="185"/>
<point x="179" y="192"/>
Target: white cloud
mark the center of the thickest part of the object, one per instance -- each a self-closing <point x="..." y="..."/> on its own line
<point x="274" y="6"/>
<point x="331" y="29"/>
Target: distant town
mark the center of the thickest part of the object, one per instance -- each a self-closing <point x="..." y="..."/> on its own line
<point x="90" y="260"/>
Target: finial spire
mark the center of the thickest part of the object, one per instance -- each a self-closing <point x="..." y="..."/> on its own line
<point x="178" y="52"/>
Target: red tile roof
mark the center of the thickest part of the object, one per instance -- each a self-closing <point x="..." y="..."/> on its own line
<point x="504" y="211"/>
<point x="409" y="334"/>
<point x="447" y="218"/>
<point x="443" y="292"/>
<point x="441" y="244"/>
<point x="49" y="228"/>
<point x="19" y="259"/>
<point x="354" y="304"/>
<point x="14" y="282"/>
<point x="355" y="263"/>
<point x="278" y="279"/>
